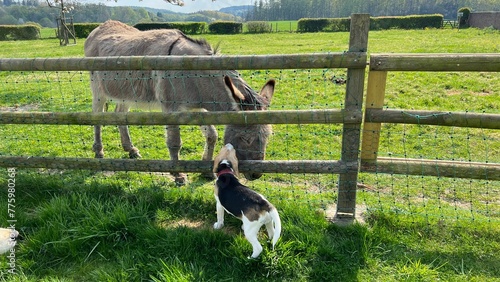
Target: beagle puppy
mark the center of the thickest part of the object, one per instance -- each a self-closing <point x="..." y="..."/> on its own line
<point x="242" y="202"/>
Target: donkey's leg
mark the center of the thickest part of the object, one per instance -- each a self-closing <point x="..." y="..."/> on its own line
<point x="174" y="145"/>
<point x="210" y="134"/>
<point x="98" y="106"/>
<point x="133" y="152"/>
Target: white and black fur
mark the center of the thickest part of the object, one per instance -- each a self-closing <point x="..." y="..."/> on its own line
<point x="242" y="202"/>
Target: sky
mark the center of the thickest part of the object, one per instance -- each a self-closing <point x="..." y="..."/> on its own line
<point x="190" y="6"/>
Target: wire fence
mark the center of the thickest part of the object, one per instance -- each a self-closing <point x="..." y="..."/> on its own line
<point x="431" y="163"/>
<point x="456" y="193"/>
<point x="435" y="165"/>
<point x="417" y="196"/>
<point x="54" y="92"/>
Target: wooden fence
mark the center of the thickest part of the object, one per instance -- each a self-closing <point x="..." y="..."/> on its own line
<point x="351" y="116"/>
<point x="380" y="64"/>
<point x="354" y="60"/>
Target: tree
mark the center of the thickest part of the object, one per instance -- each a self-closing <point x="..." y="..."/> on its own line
<point x="8" y="2"/>
<point x="46" y="22"/>
<point x="7" y="19"/>
<point x="65" y="28"/>
<point x="177" y="2"/>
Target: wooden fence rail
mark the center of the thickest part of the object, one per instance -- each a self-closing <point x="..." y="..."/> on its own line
<point x="438" y="168"/>
<point x="435" y="62"/>
<point x="354" y="60"/>
<point x="185" y="118"/>
<point x="380" y="64"/>
<point x="314" y="166"/>
<point x="473" y="120"/>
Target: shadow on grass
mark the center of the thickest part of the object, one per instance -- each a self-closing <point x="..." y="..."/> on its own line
<point x="88" y="226"/>
<point x="422" y="250"/>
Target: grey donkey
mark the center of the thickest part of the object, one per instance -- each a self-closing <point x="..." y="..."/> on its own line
<point x="173" y="91"/>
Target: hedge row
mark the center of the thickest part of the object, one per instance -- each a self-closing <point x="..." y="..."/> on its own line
<point x="188" y="27"/>
<point x="376" y="23"/>
<point x="19" y="32"/>
<point x="219" y="27"/>
<point x="259" y="27"/>
<point x="82" y="30"/>
<point x="407" y="22"/>
<point x="323" y="24"/>
<point x="225" y="27"/>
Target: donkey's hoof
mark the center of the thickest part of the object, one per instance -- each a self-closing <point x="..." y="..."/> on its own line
<point x="99" y="155"/>
<point x="134" y="154"/>
<point x="208" y="176"/>
<point x="180" y="179"/>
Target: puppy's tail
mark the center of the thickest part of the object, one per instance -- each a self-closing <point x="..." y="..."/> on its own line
<point x="277" y="225"/>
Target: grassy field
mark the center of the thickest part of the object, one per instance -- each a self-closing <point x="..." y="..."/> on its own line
<point x="125" y="226"/>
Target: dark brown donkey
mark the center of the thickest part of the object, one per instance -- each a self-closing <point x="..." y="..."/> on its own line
<point x="174" y="91"/>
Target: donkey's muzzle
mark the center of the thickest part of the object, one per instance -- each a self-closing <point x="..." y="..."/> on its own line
<point x="253" y="176"/>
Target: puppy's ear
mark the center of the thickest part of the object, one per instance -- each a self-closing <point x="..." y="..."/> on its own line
<point x="231" y="157"/>
<point x="217" y="160"/>
<point x="222" y="155"/>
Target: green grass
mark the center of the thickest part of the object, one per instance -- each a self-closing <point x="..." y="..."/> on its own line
<point x="284" y="26"/>
<point x="94" y="226"/>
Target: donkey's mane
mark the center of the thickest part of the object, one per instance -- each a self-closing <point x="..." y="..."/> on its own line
<point x="201" y="41"/>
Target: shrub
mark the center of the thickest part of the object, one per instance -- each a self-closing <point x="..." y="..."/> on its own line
<point x="339" y="24"/>
<point x="259" y="27"/>
<point x="19" y="32"/>
<point x="312" y="25"/>
<point x="82" y="30"/>
<point x="186" y="27"/>
<point x="224" y="27"/>
<point x="464" y="19"/>
<point x="406" y="22"/>
<point x="376" y="23"/>
<point x="27" y="32"/>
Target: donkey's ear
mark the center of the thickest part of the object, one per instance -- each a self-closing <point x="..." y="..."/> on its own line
<point x="234" y="91"/>
<point x="267" y="90"/>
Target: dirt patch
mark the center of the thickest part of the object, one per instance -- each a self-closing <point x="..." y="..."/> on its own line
<point x="454" y="92"/>
<point x="331" y="212"/>
<point x="18" y="108"/>
<point x="484" y="92"/>
<point x="183" y="222"/>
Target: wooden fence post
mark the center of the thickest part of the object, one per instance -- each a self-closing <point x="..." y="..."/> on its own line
<point x="358" y="42"/>
<point x="371" y="131"/>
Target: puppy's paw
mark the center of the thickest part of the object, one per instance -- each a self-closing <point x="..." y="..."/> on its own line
<point x="218" y="225"/>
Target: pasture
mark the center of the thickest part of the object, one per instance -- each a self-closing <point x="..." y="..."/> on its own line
<point x="81" y="225"/>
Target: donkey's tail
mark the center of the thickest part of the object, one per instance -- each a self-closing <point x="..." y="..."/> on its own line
<point x="277" y="225"/>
